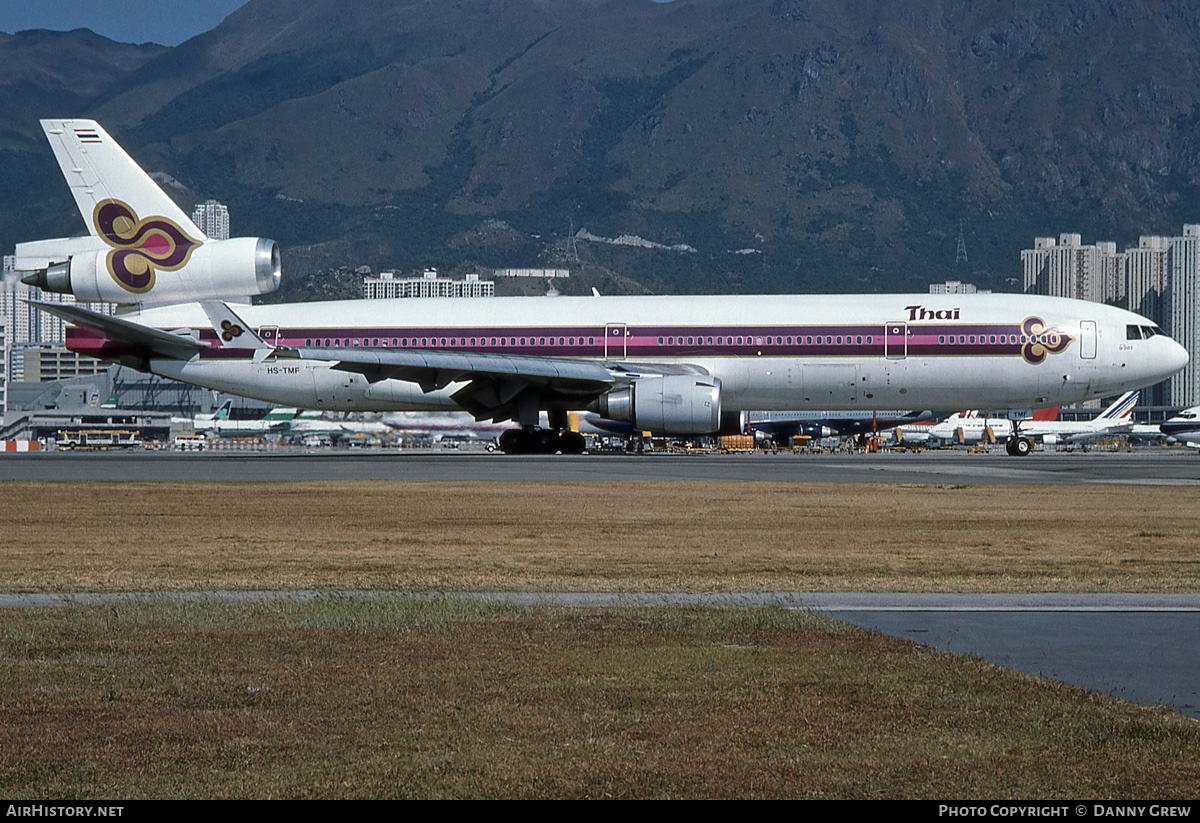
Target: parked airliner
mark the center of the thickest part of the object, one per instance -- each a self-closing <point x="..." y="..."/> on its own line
<point x="279" y="420"/>
<point x="1184" y="427"/>
<point x="972" y="428"/>
<point x="672" y="365"/>
<point x="781" y="426"/>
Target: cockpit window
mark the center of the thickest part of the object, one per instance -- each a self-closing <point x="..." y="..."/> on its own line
<point x="1148" y="332"/>
<point x="1133" y="333"/>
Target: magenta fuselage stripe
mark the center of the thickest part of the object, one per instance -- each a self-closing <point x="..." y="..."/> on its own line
<point x="590" y="341"/>
<point x="644" y="342"/>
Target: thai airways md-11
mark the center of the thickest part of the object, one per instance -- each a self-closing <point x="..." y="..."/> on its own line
<point x="672" y="365"/>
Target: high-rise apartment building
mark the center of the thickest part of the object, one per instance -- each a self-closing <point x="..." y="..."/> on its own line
<point x="1145" y="279"/>
<point x="3" y="368"/>
<point x="1067" y="268"/>
<point x="1183" y="303"/>
<point x="387" y="285"/>
<point x="212" y="218"/>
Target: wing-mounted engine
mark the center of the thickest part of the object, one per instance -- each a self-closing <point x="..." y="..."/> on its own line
<point x="161" y="269"/>
<point x="816" y="430"/>
<point x="675" y="404"/>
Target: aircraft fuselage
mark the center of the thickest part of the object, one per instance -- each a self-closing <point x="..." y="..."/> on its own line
<point x="772" y="352"/>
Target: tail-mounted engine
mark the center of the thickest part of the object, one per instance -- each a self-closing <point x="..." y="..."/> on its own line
<point x="163" y="271"/>
<point x="676" y="404"/>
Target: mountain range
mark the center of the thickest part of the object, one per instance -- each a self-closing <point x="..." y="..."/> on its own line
<point x="685" y="146"/>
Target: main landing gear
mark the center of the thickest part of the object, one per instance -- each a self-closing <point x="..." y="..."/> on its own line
<point x="533" y="439"/>
<point x="541" y="441"/>
<point x="1017" y="445"/>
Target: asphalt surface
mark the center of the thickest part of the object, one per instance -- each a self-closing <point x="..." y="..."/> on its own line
<point x="1154" y="467"/>
<point x="1142" y="648"/>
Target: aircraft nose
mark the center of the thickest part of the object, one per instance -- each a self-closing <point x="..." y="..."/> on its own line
<point x="1176" y="357"/>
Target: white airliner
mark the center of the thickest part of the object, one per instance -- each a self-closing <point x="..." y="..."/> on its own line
<point x="279" y="420"/>
<point x="969" y="428"/>
<point x="1184" y="427"/>
<point x="780" y="426"/>
<point x="672" y="365"/>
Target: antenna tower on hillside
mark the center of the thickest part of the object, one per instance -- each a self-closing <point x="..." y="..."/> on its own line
<point x="572" y="249"/>
<point x="960" y="253"/>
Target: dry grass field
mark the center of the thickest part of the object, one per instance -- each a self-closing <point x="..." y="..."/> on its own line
<point x="669" y="536"/>
<point x="402" y="697"/>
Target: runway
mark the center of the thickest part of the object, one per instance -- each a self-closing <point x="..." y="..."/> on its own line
<point x="1141" y="648"/>
<point x="1164" y="467"/>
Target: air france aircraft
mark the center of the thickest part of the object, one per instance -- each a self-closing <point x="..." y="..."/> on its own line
<point x="672" y="365"/>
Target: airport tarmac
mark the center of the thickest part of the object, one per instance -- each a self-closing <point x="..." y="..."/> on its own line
<point x="1153" y="467"/>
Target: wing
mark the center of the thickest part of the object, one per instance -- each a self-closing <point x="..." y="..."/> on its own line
<point x="493" y="382"/>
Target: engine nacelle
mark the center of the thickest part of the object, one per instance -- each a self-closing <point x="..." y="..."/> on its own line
<point x="677" y="404"/>
<point x="165" y="273"/>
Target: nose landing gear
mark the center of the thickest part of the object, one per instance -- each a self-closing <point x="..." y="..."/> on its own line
<point x="1017" y="445"/>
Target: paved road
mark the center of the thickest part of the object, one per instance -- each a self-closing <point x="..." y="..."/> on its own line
<point x="1155" y="467"/>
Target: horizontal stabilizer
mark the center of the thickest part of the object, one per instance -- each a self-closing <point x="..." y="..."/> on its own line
<point x="161" y="343"/>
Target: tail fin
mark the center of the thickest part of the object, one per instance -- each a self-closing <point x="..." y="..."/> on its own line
<point x="1122" y="408"/>
<point x="98" y="169"/>
<point x="1045" y="415"/>
<point x="223" y="412"/>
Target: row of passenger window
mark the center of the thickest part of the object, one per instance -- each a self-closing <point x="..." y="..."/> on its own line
<point x="443" y="342"/>
<point x="810" y="340"/>
<point x="721" y="340"/>
<point x="971" y="339"/>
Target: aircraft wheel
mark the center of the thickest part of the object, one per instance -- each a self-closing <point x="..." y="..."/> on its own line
<point x="1022" y="447"/>
<point x="542" y="442"/>
<point x="571" y="443"/>
<point x="512" y="442"/>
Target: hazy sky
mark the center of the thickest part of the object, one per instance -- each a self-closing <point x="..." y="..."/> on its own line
<point x="167" y="22"/>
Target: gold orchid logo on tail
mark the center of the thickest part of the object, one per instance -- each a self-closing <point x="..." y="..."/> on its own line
<point x="141" y="247"/>
<point x="1040" y="340"/>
